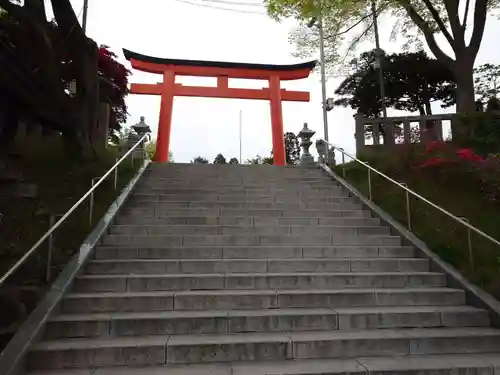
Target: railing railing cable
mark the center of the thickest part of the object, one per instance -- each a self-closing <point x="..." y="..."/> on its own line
<point x="464" y="221"/>
<point x="57" y="224"/>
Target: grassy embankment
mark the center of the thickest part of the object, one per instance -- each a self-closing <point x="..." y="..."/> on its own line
<point x="60" y="182"/>
<point x="454" y="187"/>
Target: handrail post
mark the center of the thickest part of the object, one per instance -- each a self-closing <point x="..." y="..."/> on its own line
<point x="49" y="250"/>
<point x="370" y="184"/>
<point x="116" y="175"/>
<point x="343" y="160"/>
<point x="469" y="244"/>
<point x="408" y="207"/>
<point x="91" y="208"/>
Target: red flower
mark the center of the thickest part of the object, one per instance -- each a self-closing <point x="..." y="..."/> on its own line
<point x="433" y="162"/>
<point x="469" y="155"/>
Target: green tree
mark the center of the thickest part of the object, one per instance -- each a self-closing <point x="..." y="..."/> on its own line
<point x="292" y="152"/>
<point x="41" y="58"/>
<point x="151" y="150"/>
<point x="414" y="19"/>
<point x="220" y="159"/>
<point x="233" y="161"/>
<point x="199" y="160"/>
<point x="292" y="148"/>
<point x="412" y="82"/>
<point x="487" y="82"/>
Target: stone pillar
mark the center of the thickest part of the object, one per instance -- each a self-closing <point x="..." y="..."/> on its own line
<point x="438" y="130"/>
<point x="376" y="132"/>
<point x="423" y="131"/>
<point x="389" y="133"/>
<point x="406" y="132"/>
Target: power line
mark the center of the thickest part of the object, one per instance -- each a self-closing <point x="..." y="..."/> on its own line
<point x="219" y="8"/>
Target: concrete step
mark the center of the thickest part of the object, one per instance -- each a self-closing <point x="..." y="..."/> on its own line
<point x="145" y="213"/>
<point x="203" y="193"/>
<point x="247" y="191"/>
<point x="241" y="179"/>
<point x="245" y="220"/>
<point x="160" y="349"/>
<point x="250" y="210"/>
<point x="273" y="320"/>
<point x="139" y="197"/>
<point x="248" y="184"/>
<point x="347" y="205"/>
<point x="205" y="266"/>
<point x="442" y="364"/>
<point x="248" y="240"/>
<point x="282" y="281"/>
<point x="258" y="299"/>
<point x="246" y="229"/>
<point x="252" y="252"/>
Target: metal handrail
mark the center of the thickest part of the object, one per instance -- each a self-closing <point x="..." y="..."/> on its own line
<point x="89" y="193"/>
<point x="462" y="221"/>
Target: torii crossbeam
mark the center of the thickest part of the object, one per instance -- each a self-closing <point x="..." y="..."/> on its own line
<point x="169" y="68"/>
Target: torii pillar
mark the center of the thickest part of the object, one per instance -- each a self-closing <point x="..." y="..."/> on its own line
<point x="168" y="89"/>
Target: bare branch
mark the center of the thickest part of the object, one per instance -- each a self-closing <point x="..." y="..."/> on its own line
<point x="67" y="21"/>
<point x="456" y="28"/>
<point x="464" y="24"/>
<point x="440" y="23"/>
<point x="479" y="23"/>
<point x="428" y="33"/>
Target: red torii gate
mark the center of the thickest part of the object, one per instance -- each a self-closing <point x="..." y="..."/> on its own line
<point x="169" y="68"/>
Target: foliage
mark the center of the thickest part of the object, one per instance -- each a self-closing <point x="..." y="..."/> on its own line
<point x="60" y="181"/>
<point x="292" y="152"/>
<point x="261" y="160"/>
<point x="412" y="82"/>
<point x="199" y="160"/>
<point x="292" y="148"/>
<point x="220" y="159"/>
<point x="460" y="183"/>
<point x="42" y="58"/>
<point x="486" y="130"/>
<point x="151" y="150"/>
<point x="113" y="86"/>
<point x="487" y="81"/>
<point x="233" y="161"/>
<point x="413" y="20"/>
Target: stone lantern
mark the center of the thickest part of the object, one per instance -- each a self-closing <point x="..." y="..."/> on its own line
<point x="141" y="127"/>
<point x="305" y="135"/>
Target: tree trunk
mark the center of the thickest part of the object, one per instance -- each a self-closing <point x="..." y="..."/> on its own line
<point x="466" y="104"/>
<point x="463" y="73"/>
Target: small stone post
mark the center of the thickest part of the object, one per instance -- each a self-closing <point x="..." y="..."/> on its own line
<point x="306" y="159"/>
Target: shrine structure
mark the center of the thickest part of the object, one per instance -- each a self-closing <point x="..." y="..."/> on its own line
<point x="170" y="68"/>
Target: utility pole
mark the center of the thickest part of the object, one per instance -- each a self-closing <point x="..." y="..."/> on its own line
<point x="84" y="17"/>
<point x="241" y="122"/>
<point x="378" y="56"/>
<point x="323" y="78"/>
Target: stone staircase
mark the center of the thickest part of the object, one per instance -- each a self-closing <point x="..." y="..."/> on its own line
<point x="253" y="270"/>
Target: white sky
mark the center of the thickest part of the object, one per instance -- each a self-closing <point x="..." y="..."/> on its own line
<point x="204" y="126"/>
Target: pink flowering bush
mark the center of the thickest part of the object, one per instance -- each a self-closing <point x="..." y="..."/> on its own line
<point x="453" y="165"/>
